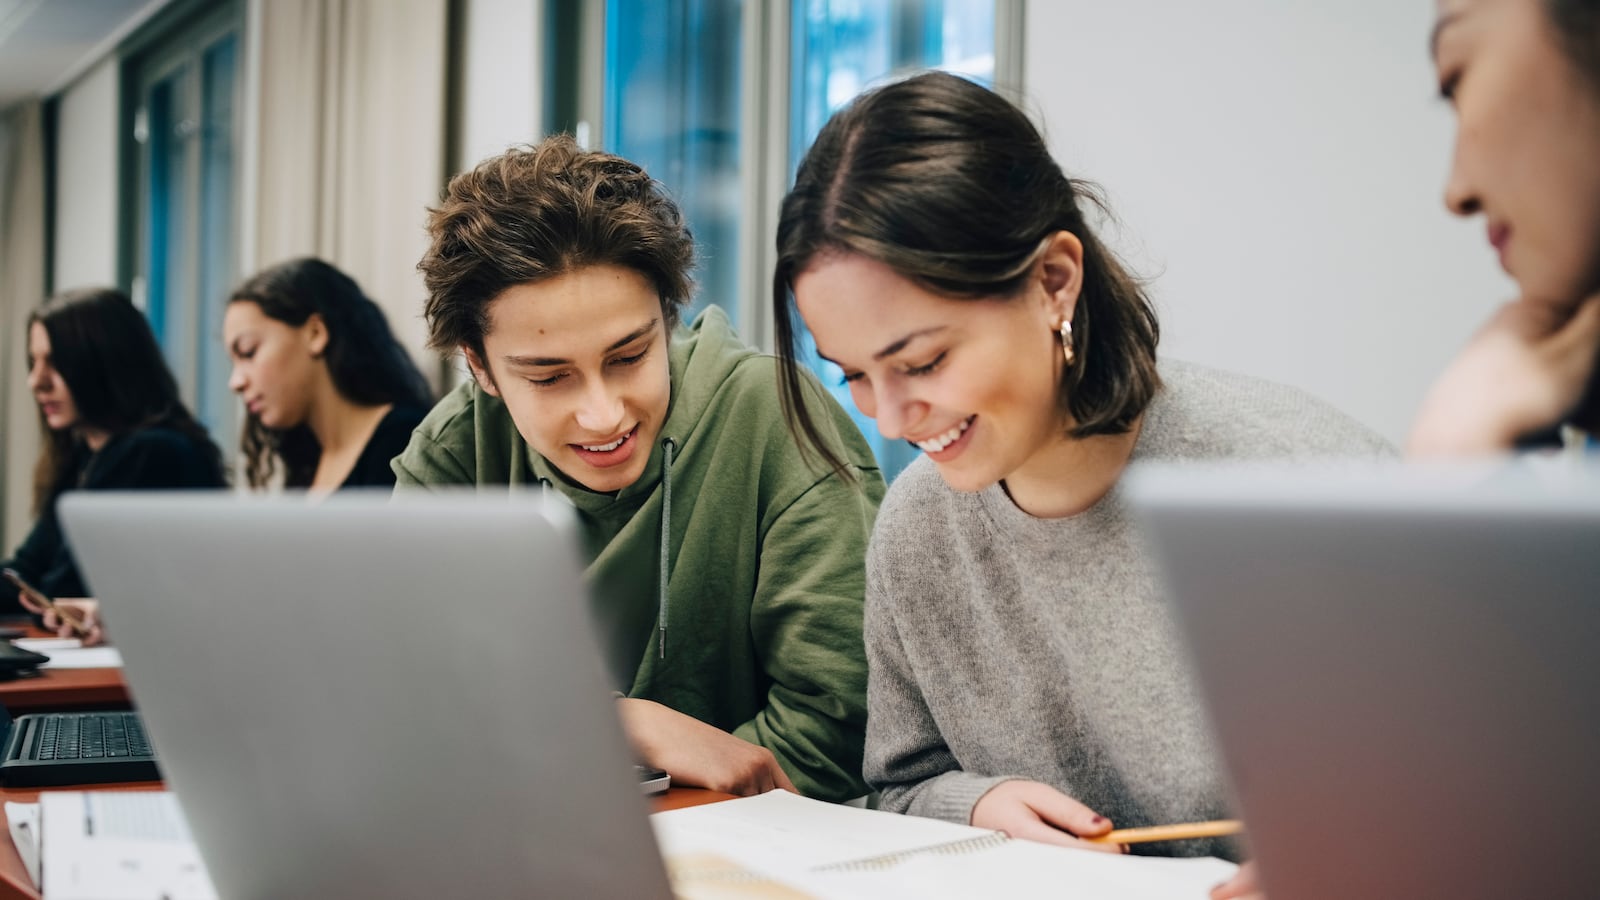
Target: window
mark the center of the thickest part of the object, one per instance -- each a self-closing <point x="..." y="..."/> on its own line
<point x="672" y="97"/>
<point x="684" y="91"/>
<point x="184" y="91"/>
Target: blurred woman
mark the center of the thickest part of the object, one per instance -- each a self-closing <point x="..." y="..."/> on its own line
<point x="330" y="395"/>
<point x="112" y="420"/>
<point x="1523" y="77"/>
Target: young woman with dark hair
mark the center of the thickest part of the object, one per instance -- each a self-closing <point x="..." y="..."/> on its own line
<point x="329" y="393"/>
<point x="1024" y="674"/>
<point x="112" y="420"/>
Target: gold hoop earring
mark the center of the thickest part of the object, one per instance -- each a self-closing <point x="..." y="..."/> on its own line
<point x="1065" y="332"/>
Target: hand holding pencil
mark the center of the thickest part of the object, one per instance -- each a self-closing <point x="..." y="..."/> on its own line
<point x="68" y="618"/>
<point x="1187" y="831"/>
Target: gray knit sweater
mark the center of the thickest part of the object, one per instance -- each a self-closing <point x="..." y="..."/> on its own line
<point x="1003" y="646"/>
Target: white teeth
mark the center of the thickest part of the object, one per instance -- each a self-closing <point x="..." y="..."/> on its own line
<point x="935" y="444"/>
<point x="606" y="448"/>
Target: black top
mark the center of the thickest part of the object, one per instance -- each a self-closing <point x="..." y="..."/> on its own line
<point x="388" y="440"/>
<point x="147" y="459"/>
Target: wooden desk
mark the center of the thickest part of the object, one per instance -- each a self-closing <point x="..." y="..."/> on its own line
<point x="56" y="690"/>
<point x="15" y="884"/>
<point x="61" y="690"/>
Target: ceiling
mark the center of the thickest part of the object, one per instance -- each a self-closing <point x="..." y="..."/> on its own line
<point x="46" y="43"/>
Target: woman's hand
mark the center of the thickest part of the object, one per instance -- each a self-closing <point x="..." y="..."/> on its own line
<point x="1038" y="812"/>
<point x="1528" y="368"/>
<point x="696" y="754"/>
<point x="85" y="611"/>
<point x="1242" y="886"/>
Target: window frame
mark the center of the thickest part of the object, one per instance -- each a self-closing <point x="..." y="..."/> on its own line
<point x="181" y="36"/>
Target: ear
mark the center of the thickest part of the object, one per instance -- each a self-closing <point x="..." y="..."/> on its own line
<point x="1060" y="276"/>
<point x="316" y="332"/>
<point x="480" y="372"/>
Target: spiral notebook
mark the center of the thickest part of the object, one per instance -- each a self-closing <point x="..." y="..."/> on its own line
<point x="792" y="847"/>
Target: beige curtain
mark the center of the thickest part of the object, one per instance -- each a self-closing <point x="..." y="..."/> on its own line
<point x="22" y="287"/>
<point x="351" y="136"/>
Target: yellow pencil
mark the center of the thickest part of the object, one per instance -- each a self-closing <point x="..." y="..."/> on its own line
<point x="1185" y="832"/>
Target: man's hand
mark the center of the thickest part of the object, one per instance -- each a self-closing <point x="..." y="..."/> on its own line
<point x="696" y="754"/>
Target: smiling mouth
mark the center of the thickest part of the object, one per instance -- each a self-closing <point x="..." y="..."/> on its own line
<point x="940" y="441"/>
<point x="608" y="447"/>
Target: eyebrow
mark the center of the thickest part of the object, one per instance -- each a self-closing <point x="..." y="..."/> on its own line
<point x="1438" y="29"/>
<point x="893" y="348"/>
<point x="538" y="361"/>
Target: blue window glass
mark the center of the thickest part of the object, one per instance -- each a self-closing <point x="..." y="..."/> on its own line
<point x="672" y="94"/>
<point x="215" y="403"/>
<point x="187" y="259"/>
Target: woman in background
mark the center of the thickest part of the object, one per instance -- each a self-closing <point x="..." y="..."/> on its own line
<point x="1523" y="77"/>
<point x="112" y="420"/>
<point x="330" y="395"/>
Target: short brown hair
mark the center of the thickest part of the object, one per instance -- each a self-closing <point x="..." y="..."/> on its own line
<point x="533" y="213"/>
<point x="952" y="187"/>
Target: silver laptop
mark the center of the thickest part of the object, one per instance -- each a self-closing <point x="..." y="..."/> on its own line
<point x="1403" y="669"/>
<point x="366" y="698"/>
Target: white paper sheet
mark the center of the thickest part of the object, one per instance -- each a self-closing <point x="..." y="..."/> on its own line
<point x="132" y="845"/>
<point x="23" y="821"/>
<point x="70" y="653"/>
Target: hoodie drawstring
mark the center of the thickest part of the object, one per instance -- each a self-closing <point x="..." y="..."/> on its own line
<point x="668" y="447"/>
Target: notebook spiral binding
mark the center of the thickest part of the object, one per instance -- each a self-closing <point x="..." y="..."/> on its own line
<point x="955" y="848"/>
<point x="702" y="873"/>
<point x="719" y="876"/>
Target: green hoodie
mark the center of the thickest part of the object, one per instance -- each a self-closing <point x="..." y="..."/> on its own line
<point x="759" y="630"/>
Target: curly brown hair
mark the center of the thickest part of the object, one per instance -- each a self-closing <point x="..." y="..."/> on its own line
<point x="536" y="212"/>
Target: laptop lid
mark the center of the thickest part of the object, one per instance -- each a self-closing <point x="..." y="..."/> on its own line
<point x="1401" y="667"/>
<point x="372" y="698"/>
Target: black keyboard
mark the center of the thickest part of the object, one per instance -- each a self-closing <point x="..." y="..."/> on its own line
<point x="77" y="748"/>
<point x="108" y="736"/>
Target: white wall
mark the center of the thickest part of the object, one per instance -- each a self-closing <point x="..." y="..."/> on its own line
<point x="1278" y="167"/>
<point x="86" y="181"/>
<point x="501" y="78"/>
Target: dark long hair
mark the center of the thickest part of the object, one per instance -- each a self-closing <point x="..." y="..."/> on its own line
<point x="103" y="348"/>
<point x="367" y="365"/>
<point x="952" y="187"/>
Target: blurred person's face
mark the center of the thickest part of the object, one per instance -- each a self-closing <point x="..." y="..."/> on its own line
<point x="971" y="383"/>
<point x="1527" y="150"/>
<point x="580" y="361"/>
<point x="48" y="387"/>
<point x="276" y="366"/>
